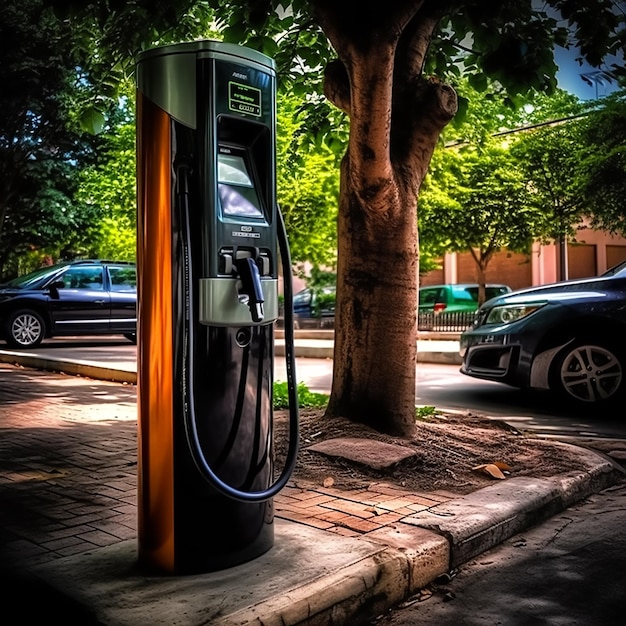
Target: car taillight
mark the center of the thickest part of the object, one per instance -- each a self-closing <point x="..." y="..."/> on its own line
<point x="439" y="307"/>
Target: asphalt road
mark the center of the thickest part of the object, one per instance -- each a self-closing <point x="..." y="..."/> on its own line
<point x="442" y="386"/>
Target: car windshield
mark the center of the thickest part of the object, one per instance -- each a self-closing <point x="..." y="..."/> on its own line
<point x="471" y="293"/>
<point x="26" y="281"/>
<point x="616" y="270"/>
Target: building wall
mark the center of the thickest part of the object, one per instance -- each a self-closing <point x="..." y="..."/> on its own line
<point x="593" y="253"/>
<point x="509" y="268"/>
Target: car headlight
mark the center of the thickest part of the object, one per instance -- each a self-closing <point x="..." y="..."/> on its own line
<point x="509" y="313"/>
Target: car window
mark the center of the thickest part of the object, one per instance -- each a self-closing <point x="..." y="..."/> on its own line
<point x="302" y="297"/>
<point x="428" y="296"/>
<point x="84" y="278"/>
<point x="465" y="294"/>
<point x="123" y="278"/>
<point x="616" y="270"/>
<point x="492" y="292"/>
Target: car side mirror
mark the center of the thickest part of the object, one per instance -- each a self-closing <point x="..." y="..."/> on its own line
<point x="54" y="288"/>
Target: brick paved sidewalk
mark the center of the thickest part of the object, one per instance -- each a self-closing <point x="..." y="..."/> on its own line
<point x="68" y="462"/>
<point x="353" y="512"/>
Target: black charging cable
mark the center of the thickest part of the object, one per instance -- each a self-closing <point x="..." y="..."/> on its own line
<point x="191" y="429"/>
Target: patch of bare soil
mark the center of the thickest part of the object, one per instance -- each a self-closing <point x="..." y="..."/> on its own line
<point x="449" y="447"/>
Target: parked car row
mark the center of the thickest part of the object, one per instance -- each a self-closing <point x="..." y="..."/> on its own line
<point x="87" y="297"/>
<point x="567" y="337"/>
<point x="93" y="297"/>
<point x="319" y="303"/>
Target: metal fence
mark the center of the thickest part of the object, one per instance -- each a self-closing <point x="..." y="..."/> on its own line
<point x="446" y="322"/>
<point x="437" y="322"/>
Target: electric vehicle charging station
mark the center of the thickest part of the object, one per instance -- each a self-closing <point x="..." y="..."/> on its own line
<point x="209" y="241"/>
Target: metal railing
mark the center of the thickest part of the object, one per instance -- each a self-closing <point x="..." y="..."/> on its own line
<point x="446" y="322"/>
<point x="438" y="322"/>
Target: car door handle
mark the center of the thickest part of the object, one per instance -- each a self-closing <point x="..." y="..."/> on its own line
<point x="99" y="301"/>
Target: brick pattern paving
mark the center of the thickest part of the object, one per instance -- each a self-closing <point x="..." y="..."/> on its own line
<point x="352" y="512"/>
<point x="68" y="465"/>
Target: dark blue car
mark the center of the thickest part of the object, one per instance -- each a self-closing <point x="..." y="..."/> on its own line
<point x="78" y="298"/>
<point x="568" y="337"/>
<point x="314" y="303"/>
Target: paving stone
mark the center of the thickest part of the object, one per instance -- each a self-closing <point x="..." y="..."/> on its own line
<point x="369" y="452"/>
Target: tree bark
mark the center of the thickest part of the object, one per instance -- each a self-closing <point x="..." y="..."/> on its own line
<point x="396" y="117"/>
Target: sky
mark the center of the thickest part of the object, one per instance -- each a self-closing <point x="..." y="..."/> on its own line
<point x="570" y="71"/>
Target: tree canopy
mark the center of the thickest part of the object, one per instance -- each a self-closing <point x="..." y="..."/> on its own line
<point x="601" y="180"/>
<point x="391" y="68"/>
<point x="503" y="178"/>
<point x="489" y="207"/>
<point x="40" y="149"/>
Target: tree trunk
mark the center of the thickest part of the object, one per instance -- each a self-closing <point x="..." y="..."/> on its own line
<point x="396" y="117"/>
<point x="375" y="318"/>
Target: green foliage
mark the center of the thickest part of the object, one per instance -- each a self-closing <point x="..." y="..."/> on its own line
<point x="306" y="399"/>
<point x="601" y="178"/>
<point x="307" y="187"/>
<point x="549" y="158"/>
<point x="113" y="238"/>
<point x="105" y="38"/>
<point x="108" y="187"/>
<point x="489" y="112"/>
<point x="429" y="258"/>
<point x="480" y="204"/>
<point x="425" y="413"/>
<point x="496" y="185"/>
<point x="510" y="43"/>
<point x="320" y="278"/>
<point x="40" y="151"/>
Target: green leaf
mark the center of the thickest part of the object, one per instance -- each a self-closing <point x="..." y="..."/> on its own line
<point x="92" y="120"/>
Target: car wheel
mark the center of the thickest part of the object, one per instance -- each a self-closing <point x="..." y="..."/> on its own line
<point x="589" y="372"/>
<point x="132" y="337"/>
<point x="25" y="329"/>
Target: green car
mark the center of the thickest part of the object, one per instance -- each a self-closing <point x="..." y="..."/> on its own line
<point x="455" y="298"/>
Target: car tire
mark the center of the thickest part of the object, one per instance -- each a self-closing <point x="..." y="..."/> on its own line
<point x="25" y="329"/>
<point x="589" y="372"/>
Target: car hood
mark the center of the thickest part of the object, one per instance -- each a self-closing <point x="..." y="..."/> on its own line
<point x="570" y="290"/>
<point x="9" y="292"/>
<point x="12" y="290"/>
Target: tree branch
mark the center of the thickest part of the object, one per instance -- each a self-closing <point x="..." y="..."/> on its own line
<point x="425" y="112"/>
<point x="337" y="85"/>
<point x="364" y="85"/>
<point x="416" y="38"/>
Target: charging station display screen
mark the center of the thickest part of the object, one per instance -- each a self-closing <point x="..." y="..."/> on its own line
<point x="244" y="99"/>
<point x="236" y="189"/>
<point x="232" y="170"/>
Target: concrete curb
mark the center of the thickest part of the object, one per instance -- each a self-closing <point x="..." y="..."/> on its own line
<point x="348" y="595"/>
<point x="76" y="368"/>
<point x="424" y="546"/>
<point x="410" y="559"/>
<point x="324" y="349"/>
<point x="443" y="358"/>
<point x="483" y="519"/>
